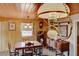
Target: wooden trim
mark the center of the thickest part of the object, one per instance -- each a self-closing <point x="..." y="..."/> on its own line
<point x="12" y="19"/>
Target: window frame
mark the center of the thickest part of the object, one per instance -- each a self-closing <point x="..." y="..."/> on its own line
<point x="28" y="29"/>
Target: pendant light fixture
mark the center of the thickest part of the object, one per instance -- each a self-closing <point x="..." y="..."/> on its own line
<point x="52" y="12"/>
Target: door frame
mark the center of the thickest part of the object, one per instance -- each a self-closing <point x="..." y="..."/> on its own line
<point x="75" y="36"/>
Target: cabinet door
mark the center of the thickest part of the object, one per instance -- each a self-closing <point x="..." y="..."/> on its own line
<point x="58" y="45"/>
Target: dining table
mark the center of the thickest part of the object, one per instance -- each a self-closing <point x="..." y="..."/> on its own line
<point x="22" y="46"/>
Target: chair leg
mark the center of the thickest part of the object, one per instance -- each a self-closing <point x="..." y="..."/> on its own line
<point x="68" y="53"/>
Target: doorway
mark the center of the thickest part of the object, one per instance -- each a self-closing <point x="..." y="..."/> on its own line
<point x="77" y="38"/>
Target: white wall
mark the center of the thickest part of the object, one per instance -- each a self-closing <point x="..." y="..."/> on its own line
<point x="73" y="38"/>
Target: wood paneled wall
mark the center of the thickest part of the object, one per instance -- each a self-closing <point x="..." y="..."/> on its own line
<point x="13" y="36"/>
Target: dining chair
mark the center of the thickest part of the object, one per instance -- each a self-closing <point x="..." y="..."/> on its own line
<point x="38" y="51"/>
<point x="12" y="51"/>
<point x="29" y="51"/>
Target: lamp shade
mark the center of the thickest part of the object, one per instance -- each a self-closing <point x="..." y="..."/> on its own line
<point x="52" y="34"/>
<point x="54" y="9"/>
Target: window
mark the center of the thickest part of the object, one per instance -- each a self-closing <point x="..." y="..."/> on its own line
<point x="26" y="29"/>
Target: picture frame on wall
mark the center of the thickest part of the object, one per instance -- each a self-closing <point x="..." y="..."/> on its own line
<point x="12" y="26"/>
<point x="64" y="30"/>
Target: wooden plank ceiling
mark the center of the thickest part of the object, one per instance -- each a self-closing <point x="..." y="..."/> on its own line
<point x="19" y="10"/>
<point x="27" y="10"/>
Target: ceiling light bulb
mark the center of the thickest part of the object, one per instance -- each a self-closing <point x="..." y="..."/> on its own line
<point x="25" y="26"/>
<point x="30" y="26"/>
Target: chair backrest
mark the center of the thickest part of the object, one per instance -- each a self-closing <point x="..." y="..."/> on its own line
<point x="30" y="46"/>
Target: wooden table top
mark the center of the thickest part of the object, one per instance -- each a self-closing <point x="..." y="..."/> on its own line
<point x="23" y="44"/>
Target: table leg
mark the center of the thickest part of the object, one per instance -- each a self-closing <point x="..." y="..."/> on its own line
<point x="15" y="52"/>
<point x="22" y="52"/>
<point x="56" y="53"/>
